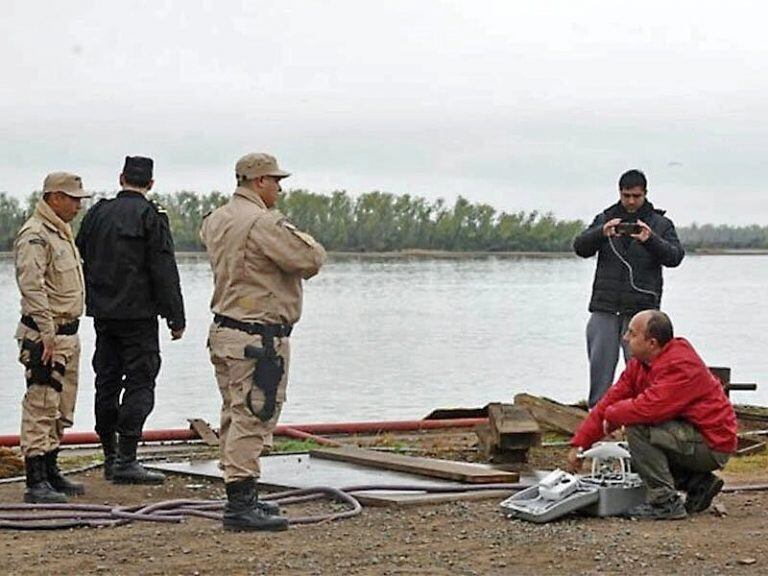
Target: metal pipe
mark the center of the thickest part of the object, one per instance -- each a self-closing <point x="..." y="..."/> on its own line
<point x="182" y="434"/>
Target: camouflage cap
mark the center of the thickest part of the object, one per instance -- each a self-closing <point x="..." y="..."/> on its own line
<point x="69" y="184"/>
<point x="255" y="165"/>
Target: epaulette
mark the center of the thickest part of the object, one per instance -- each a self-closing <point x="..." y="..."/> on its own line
<point x="207" y="214"/>
<point x="157" y="206"/>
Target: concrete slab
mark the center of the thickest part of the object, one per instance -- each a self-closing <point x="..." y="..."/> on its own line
<point x="284" y="472"/>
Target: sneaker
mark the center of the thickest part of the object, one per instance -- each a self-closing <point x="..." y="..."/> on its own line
<point x="672" y="509"/>
<point x="701" y="494"/>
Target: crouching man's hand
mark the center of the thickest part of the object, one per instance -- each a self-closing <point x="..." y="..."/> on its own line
<point x="573" y="462"/>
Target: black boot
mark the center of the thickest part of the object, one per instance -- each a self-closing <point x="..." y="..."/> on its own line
<point x="57" y="480"/>
<point x="39" y="491"/>
<point x="109" y="446"/>
<point x="127" y="469"/>
<point x="242" y="512"/>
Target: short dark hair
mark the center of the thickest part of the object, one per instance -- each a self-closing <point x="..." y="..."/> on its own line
<point x="659" y="326"/>
<point x="632" y="179"/>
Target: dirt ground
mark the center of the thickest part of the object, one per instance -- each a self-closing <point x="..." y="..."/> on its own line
<point x="469" y="538"/>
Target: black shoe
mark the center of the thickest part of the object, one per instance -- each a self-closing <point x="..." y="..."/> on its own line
<point x="57" y="480"/>
<point x="243" y="512"/>
<point x="702" y="493"/>
<point x="109" y="466"/>
<point x="109" y="447"/>
<point x="127" y="469"/>
<point x="672" y="509"/>
<point x="39" y="491"/>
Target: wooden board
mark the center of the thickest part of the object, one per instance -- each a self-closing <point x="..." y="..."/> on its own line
<point x="460" y="471"/>
<point x="513" y="427"/>
<point x="204" y="430"/>
<point x="552" y="414"/>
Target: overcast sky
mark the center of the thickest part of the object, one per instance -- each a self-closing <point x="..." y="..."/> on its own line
<point x="523" y="105"/>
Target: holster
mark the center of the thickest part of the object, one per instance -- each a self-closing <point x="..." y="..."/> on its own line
<point x="269" y="371"/>
<point x="36" y="371"/>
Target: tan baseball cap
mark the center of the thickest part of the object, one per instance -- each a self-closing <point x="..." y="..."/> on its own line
<point x="257" y="164"/>
<point x="69" y="184"/>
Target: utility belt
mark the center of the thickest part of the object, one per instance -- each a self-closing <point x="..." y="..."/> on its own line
<point x="68" y="329"/>
<point x="270" y="367"/>
<point x="269" y="330"/>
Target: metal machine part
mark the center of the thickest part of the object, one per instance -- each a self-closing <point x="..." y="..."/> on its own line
<point x="610" y="489"/>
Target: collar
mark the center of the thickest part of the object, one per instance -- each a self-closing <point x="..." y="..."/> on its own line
<point x="251" y="196"/>
<point x="135" y="191"/>
<point x="50" y="219"/>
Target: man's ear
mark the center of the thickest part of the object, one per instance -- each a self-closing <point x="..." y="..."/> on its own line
<point x="149" y="186"/>
<point x="122" y="179"/>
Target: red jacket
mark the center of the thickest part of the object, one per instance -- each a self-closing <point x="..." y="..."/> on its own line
<point x="676" y="385"/>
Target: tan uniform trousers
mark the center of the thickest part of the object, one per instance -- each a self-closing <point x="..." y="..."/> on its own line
<point x="46" y="413"/>
<point x="242" y="435"/>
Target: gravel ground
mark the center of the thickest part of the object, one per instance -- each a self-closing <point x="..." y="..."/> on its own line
<point x="466" y="538"/>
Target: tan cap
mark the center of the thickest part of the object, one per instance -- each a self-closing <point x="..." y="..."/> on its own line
<point x="256" y="164"/>
<point x="69" y="184"/>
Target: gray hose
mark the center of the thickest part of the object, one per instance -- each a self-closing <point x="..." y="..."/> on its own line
<point x="62" y="516"/>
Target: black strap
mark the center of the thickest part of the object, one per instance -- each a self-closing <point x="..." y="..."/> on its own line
<point x="69" y="329"/>
<point x="275" y="330"/>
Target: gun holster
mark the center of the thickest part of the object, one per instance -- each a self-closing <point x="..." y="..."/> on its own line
<point x="37" y="372"/>
<point x="269" y="371"/>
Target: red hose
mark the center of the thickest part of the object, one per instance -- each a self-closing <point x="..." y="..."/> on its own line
<point x="180" y="434"/>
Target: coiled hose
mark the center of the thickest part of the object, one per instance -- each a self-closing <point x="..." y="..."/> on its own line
<point x="65" y="516"/>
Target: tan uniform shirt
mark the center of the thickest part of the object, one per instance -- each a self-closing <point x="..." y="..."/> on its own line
<point x="259" y="260"/>
<point x="48" y="270"/>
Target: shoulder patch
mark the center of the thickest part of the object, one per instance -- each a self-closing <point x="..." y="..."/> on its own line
<point x="157" y="206"/>
<point x="38" y="241"/>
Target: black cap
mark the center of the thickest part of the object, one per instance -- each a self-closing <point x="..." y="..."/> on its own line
<point x="138" y="169"/>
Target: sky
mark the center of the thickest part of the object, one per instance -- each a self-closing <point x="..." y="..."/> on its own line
<point x="521" y="105"/>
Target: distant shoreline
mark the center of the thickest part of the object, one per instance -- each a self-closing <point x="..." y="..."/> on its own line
<point x="456" y="255"/>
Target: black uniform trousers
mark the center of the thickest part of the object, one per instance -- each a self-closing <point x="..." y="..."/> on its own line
<point x="126" y="362"/>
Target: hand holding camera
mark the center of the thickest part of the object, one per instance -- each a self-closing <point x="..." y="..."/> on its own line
<point x="617" y="227"/>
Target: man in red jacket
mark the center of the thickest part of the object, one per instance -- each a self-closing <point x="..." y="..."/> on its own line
<point x="680" y="425"/>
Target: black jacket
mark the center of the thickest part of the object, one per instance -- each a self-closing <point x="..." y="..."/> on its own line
<point x="611" y="289"/>
<point x="128" y="261"/>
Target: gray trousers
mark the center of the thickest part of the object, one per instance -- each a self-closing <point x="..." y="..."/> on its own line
<point x="604" y="332"/>
<point x="671" y="456"/>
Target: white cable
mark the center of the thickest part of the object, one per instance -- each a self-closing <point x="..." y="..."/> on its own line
<point x="631" y="274"/>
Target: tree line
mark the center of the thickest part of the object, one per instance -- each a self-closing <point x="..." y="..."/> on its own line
<point x="383" y="222"/>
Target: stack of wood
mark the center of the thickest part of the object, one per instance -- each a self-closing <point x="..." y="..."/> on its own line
<point x="511" y="431"/>
<point x="515" y="428"/>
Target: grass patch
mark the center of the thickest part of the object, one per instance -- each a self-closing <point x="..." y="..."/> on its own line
<point x="748" y="464"/>
<point x="293" y="445"/>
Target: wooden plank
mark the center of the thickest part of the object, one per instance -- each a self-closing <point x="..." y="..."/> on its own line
<point x="511" y="419"/>
<point x="204" y="430"/>
<point x="751" y="413"/>
<point x="552" y="414"/>
<point x="459" y="471"/>
<point x="403" y="500"/>
<point x="749" y="446"/>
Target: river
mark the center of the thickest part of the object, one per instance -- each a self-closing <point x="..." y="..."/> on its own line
<point x="394" y="338"/>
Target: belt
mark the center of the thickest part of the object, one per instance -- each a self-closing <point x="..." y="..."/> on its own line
<point x="277" y="330"/>
<point x="68" y="329"/>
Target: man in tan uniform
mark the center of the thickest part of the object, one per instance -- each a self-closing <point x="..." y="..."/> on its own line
<point x="50" y="280"/>
<point x="259" y="260"/>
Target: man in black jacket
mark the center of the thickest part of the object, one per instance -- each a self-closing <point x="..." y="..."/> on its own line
<point x="633" y="240"/>
<point x="131" y="278"/>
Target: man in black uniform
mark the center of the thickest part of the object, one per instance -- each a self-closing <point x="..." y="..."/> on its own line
<point x="131" y="278"/>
